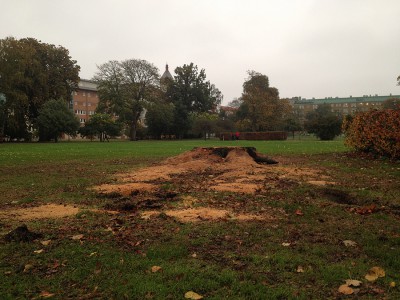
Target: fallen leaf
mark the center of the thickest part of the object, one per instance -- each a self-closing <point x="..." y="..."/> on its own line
<point x="45" y="243"/>
<point x="349" y="243"/>
<point x="352" y="282"/>
<point x="392" y="284"/>
<point x="298" y="212"/>
<point x="155" y="269"/>
<point x="366" y="209"/>
<point x="345" y="289"/>
<point x="285" y="244"/>
<point x="93" y="253"/>
<point x="192" y="295"/>
<point x="300" y="269"/>
<point x="27" y="268"/>
<point x="46" y="294"/>
<point x="194" y="255"/>
<point x="77" y="237"/>
<point x="374" y="273"/>
<point x="38" y="251"/>
<point x="9" y="273"/>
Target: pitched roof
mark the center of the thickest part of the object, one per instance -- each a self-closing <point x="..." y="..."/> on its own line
<point x="167" y="74"/>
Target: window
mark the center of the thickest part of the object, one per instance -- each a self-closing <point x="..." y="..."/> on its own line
<point x="89" y="104"/>
<point x="82" y="120"/>
<point x="83" y="94"/>
<point x="91" y="112"/>
<point x="76" y="103"/>
<point x="88" y="94"/>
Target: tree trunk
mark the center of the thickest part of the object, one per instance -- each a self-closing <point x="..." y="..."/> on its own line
<point x="133" y="131"/>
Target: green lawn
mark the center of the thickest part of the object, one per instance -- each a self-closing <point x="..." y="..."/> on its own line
<point x="233" y="260"/>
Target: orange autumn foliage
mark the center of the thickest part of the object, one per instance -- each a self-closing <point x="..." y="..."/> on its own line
<point x="376" y="132"/>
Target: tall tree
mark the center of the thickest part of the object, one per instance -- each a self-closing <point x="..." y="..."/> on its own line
<point x="32" y="73"/>
<point x="190" y="92"/>
<point x="160" y="119"/>
<point x="325" y="124"/>
<point x="261" y="104"/>
<point x="125" y="88"/>
<point x="56" y="118"/>
<point x="102" y="125"/>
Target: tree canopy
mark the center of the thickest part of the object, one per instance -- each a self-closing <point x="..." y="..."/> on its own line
<point x="56" y="118"/>
<point x="125" y="87"/>
<point x="323" y="123"/>
<point x="391" y="103"/>
<point x="261" y="107"/>
<point x="32" y="73"/>
<point x="190" y="93"/>
<point x="102" y="125"/>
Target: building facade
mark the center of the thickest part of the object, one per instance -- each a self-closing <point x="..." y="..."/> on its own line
<point x="85" y="100"/>
<point x="340" y="106"/>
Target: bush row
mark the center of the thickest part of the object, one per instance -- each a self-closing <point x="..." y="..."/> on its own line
<point x="376" y="132"/>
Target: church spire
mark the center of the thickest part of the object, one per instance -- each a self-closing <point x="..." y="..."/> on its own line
<point x="167" y="74"/>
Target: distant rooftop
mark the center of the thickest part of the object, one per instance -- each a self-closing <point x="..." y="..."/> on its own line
<point x="350" y="99"/>
<point x="86" y="84"/>
<point x="167" y="74"/>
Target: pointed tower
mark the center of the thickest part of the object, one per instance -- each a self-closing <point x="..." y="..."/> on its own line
<point x="166" y="74"/>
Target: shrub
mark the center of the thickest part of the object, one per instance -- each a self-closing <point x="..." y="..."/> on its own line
<point x="376" y="132"/>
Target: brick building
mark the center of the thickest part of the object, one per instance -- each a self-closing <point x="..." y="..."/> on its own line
<point x="85" y="100"/>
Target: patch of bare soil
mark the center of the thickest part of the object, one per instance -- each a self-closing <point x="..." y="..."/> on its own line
<point x="48" y="211"/>
<point x="189" y="215"/>
<point x="216" y="169"/>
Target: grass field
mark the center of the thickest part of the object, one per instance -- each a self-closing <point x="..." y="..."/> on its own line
<point x="298" y="256"/>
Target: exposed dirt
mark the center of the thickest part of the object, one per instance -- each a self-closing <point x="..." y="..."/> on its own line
<point x="231" y="170"/>
<point x="48" y="211"/>
<point x="239" y="170"/>
<point x="202" y="214"/>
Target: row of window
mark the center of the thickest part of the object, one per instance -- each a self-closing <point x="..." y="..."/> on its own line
<point x="84" y="94"/>
<point x="83" y="112"/>
<point x="344" y="105"/>
<point x="82" y="103"/>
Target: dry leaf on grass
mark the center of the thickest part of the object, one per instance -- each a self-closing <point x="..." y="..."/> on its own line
<point x="345" y="289"/>
<point x="300" y="269"/>
<point x="155" y="269"/>
<point x="38" y="251"/>
<point x="45" y="243"/>
<point x="77" y="237"/>
<point x="46" y="294"/>
<point x="298" y="212"/>
<point x="392" y="284"/>
<point x="353" y="282"/>
<point x="374" y="273"/>
<point x="349" y="243"/>
<point x="192" y="295"/>
<point x="27" y="268"/>
<point x="285" y="244"/>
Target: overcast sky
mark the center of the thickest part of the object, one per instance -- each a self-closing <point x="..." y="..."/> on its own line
<point x="307" y="48"/>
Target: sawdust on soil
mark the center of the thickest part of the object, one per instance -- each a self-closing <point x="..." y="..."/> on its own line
<point x="47" y="211"/>
<point x="190" y="215"/>
<point x="226" y="169"/>
<point x="237" y="172"/>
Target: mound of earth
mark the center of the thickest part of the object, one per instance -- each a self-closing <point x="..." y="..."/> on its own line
<point x="203" y="171"/>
